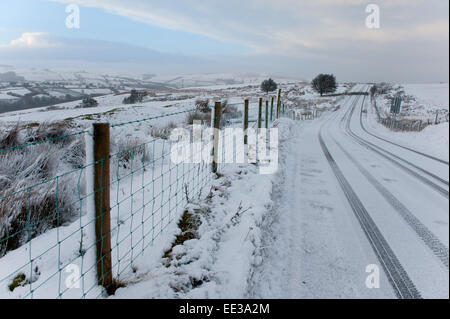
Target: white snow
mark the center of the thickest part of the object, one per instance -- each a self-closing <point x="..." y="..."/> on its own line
<point x="429" y="94"/>
<point x="306" y="235"/>
<point x="4" y="96"/>
<point x="428" y="98"/>
<point x="18" y="91"/>
<point x="292" y="234"/>
<point x="433" y="140"/>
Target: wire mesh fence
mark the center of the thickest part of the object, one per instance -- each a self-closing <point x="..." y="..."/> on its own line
<point x="53" y="238"/>
<point x="404" y="124"/>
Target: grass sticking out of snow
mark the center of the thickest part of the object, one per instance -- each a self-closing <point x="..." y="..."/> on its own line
<point x="188" y="225"/>
<point x="32" y="200"/>
<point x="19" y="280"/>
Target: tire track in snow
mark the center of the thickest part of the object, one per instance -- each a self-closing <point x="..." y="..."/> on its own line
<point x="431" y="240"/>
<point x="303" y="253"/>
<point x="405" y="147"/>
<point x="397" y="276"/>
<point x="407" y="162"/>
<point x="428" y="237"/>
<point x="378" y="150"/>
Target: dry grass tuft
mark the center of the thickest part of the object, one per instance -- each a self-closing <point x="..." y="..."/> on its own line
<point x="202" y="105"/>
<point x="188" y="225"/>
<point x="27" y="214"/>
<point x="31" y="200"/>
<point x="10" y="137"/>
<point x="132" y="151"/>
<point x="162" y="132"/>
<point x="197" y="116"/>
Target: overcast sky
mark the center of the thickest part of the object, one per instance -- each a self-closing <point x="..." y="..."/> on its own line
<point x="297" y="38"/>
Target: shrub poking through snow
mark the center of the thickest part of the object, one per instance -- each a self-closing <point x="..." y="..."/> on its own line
<point x="131" y="152"/>
<point x="197" y="116"/>
<point x="230" y="111"/>
<point x="188" y="225"/>
<point x="89" y="102"/>
<point x="19" y="281"/>
<point x="383" y="88"/>
<point x="75" y="154"/>
<point x="51" y="132"/>
<point x="202" y="105"/>
<point x="162" y="132"/>
<point x="28" y="214"/>
<point x="135" y="97"/>
<point x="10" y="138"/>
<point x="32" y="201"/>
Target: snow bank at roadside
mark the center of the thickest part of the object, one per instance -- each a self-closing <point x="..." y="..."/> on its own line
<point x="419" y="101"/>
<point x="219" y="260"/>
<point x="433" y="140"/>
<point x="217" y="263"/>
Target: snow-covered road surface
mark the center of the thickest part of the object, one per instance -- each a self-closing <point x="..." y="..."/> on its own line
<point x="345" y="200"/>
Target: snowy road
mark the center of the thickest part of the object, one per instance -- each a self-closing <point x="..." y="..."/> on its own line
<point x="346" y="199"/>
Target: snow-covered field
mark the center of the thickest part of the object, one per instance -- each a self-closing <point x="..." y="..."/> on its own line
<point x="429" y="94"/>
<point x="111" y="109"/>
<point x="433" y="139"/>
<point x="18" y="91"/>
<point x="4" y="96"/>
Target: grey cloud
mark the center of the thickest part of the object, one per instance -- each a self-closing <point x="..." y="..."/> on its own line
<point x="307" y="36"/>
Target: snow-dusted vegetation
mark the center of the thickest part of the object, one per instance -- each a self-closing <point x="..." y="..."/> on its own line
<point x="175" y="228"/>
<point x="22" y="168"/>
<point x="424" y="109"/>
<point x="419" y="101"/>
<point x="44" y="169"/>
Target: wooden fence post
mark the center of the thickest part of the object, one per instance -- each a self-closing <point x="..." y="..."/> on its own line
<point x="217" y="115"/>
<point x="278" y="103"/>
<point x="246" y="122"/>
<point x="260" y="113"/>
<point x="267" y="114"/>
<point x="102" y="204"/>
<point x="271" y="110"/>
